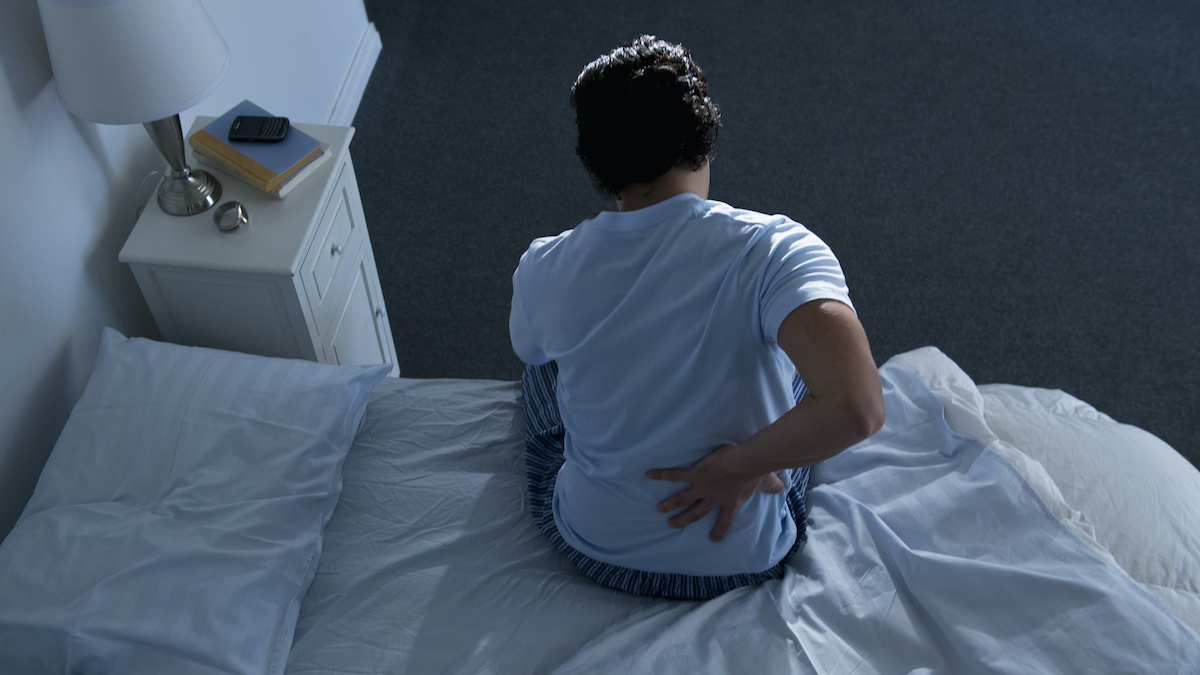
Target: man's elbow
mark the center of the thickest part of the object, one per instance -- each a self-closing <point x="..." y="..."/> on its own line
<point x="865" y="416"/>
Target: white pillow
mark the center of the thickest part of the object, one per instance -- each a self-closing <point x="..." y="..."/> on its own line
<point x="178" y="521"/>
<point x="1142" y="495"/>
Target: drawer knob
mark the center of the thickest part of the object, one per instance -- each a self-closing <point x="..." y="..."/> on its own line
<point x="378" y="312"/>
<point x="336" y="250"/>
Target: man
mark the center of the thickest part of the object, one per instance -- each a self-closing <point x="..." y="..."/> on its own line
<point x="664" y="342"/>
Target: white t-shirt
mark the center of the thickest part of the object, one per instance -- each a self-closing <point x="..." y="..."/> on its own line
<point x="663" y="322"/>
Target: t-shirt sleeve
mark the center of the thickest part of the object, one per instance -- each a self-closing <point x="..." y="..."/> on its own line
<point x="520" y="331"/>
<point x="796" y="267"/>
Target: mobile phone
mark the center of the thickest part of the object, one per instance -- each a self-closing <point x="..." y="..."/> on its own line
<point x="256" y="128"/>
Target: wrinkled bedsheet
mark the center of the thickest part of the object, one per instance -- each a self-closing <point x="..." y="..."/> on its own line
<point x="927" y="553"/>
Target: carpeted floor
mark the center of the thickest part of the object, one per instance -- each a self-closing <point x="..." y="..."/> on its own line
<point x="1016" y="183"/>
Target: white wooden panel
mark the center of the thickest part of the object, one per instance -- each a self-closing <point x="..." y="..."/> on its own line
<point x="242" y="314"/>
<point x="355" y="83"/>
<point x="355" y="339"/>
<point x="341" y="228"/>
<point x="330" y="250"/>
<point x="382" y="324"/>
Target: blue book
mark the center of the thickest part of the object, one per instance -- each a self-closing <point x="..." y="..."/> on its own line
<point x="265" y="165"/>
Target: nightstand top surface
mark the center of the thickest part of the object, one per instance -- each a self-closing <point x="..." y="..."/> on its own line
<point x="274" y="242"/>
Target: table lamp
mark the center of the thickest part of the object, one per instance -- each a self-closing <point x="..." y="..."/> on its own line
<point x="130" y="61"/>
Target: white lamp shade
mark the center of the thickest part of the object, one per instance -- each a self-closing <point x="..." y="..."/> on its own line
<point x="132" y="61"/>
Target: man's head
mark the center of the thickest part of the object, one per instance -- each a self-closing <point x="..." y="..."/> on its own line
<point x="642" y="110"/>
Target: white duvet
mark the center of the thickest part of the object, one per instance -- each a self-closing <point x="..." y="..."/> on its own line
<point x="1041" y="537"/>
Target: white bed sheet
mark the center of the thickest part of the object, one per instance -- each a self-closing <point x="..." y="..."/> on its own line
<point x="1120" y="489"/>
<point x="431" y="563"/>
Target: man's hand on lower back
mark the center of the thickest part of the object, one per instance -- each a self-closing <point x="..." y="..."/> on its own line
<point x="716" y="483"/>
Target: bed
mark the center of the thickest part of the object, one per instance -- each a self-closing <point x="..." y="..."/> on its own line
<point x="211" y="512"/>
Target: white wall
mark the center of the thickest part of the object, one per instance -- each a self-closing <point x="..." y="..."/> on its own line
<point x="68" y="190"/>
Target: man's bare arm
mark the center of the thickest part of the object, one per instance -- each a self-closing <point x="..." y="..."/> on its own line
<point x="844" y="406"/>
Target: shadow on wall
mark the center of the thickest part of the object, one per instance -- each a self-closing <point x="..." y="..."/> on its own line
<point x="57" y="337"/>
<point x="34" y="438"/>
<point x="23" y="50"/>
<point x="127" y="190"/>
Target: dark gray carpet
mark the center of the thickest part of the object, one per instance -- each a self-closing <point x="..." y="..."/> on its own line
<point x="1016" y="183"/>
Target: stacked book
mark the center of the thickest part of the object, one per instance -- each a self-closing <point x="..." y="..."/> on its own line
<point x="275" y="168"/>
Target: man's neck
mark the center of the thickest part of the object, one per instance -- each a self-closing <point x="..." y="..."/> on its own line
<point x="677" y="181"/>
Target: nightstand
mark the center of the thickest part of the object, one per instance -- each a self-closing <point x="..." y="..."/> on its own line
<point x="299" y="281"/>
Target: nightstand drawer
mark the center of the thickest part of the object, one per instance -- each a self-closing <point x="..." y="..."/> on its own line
<point x="334" y="241"/>
<point x="358" y="333"/>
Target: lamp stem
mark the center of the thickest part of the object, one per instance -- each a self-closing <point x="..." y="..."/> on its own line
<point x="185" y="191"/>
<point x="167" y="135"/>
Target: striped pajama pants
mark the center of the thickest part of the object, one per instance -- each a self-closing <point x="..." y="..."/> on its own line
<point x="544" y="436"/>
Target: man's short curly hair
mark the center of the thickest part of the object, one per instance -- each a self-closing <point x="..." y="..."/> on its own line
<point x="642" y="110"/>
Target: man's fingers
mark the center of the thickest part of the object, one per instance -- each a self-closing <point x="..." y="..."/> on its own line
<point x="724" y="523"/>
<point x="698" y="511"/>
<point x="775" y="484"/>
<point x="677" y="501"/>
<point x="676" y="475"/>
<point x="700" y="502"/>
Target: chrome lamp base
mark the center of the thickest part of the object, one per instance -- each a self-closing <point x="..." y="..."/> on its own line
<point x="184" y="191"/>
<point x="195" y="191"/>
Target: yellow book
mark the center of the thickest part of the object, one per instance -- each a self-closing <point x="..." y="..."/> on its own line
<point x="264" y="165"/>
<point x="279" y="193"/>
<point x="212" y="160"/>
